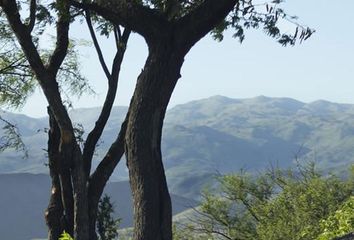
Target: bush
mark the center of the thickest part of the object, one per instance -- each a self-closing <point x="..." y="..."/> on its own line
<point x="340" y="223"/>
<point x="276" y="205"/>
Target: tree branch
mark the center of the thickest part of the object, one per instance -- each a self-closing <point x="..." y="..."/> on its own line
<point x="104" y="170"/>
<point x="200" y="21"/>
<point x="130" y="14"/>
<point x="21" y="31"/>
<point x="117" y="35"/>
<point x="16" y="63"/>
<point x="96" y="44"/>
<point x="62" y="42"/>
<point x="101" y="122"/>
<point x="32" y="21"/>
<point x="46" y="77"/>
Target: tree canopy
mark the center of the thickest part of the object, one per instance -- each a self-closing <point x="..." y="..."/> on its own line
<point x="171" y="28"/>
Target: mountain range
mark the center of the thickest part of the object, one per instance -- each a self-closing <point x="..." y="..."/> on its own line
<point x="213" y="136"/>
<point x="216" y="135"/>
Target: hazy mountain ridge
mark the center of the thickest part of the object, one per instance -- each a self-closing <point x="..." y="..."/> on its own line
<point x="200" y="139"/>
<point x="218" y="134"/>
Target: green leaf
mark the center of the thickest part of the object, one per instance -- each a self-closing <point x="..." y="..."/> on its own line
<point x="65" y="236"/>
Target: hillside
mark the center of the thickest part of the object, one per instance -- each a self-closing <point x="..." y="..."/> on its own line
<point x="218" y="135"/>
<point x="24" y="198"/>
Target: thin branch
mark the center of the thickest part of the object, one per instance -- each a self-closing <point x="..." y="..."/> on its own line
<point x="213" y="231"/>
<point x="97" y="46"/>
<point x="45" y="76"/>
<point x="12" y="138"/>
<point x="12" y="13"/>
<point x="14" y="64"/>
<point x="249" y="208"/>
<point x="62" y="42"/>
<point x="104" y="170"/>
<point x="121" y="47"/>
<point x="117" y="35"/>
<point x="101" y="122"/>
<point x="16" y="74"/>
<point x="33" y="7"/>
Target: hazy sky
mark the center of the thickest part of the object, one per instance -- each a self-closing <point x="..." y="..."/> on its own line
<point x="320" y="68"/>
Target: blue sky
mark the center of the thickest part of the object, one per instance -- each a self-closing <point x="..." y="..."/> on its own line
<point x="320" y="68"/>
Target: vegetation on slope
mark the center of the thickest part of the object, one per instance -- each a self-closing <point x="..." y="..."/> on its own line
<point x="297" y="205"/>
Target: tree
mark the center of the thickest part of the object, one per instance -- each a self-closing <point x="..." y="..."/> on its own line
<point x="277" y="205"/>
<point x="75" y="193"/>
<point x="97" y="180"/>
<point x="170" y="34"/>
<point x="107" y="226"/>
<point x="170" y="28"/>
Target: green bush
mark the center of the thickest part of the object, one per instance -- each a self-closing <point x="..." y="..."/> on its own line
<point x="339" y="223"/>
<point x="274" y="206"/>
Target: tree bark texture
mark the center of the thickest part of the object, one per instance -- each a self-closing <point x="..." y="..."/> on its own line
<point x="54" y="212"/>
<point x="167" y="49"/>
<point x="168" y="41"/>
<point x="152" y="204"/>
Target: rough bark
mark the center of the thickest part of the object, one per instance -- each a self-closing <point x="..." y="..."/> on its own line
<point x="54" y="212"/>
<point x="46" y="76"/>
<point x="152" y="204"/>
<point x="168" y="41"/>
<point x="80" y="189"/>
<point x="99" y="178"/>
<point x="101" y="175"/>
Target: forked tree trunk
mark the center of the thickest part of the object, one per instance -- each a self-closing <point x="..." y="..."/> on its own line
<point x="68" y="205"/>
<point x="92" y="188"/>
<point x="151" y="199"/>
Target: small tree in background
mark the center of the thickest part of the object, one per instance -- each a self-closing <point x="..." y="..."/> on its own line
<point x="107" y="226"/>
<point x="297" y="205"/>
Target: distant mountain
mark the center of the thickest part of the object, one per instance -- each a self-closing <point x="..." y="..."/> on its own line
<point x="217" y="135"/>
<point x="24" y="198"/>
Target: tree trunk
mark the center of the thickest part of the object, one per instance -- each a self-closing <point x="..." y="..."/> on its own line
<point x="54" y="212"/>
<point x="151" y="199"/>
<point x="68" y="206"/>
<point x="80" y="187"/>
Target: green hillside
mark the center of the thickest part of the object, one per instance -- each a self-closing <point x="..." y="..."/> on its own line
<point x="218" y="135"/>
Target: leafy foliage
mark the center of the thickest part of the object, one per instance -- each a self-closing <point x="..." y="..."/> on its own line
<point x="107" y="226"/>
<point x="17" y="80"/>
<point x="65" y="236"/>
<point x="296" y="212"/>
<point x="266" y="15"/>
<point x="11" y="138"/>
<point x="16" y="77"/>
<point x="247" y="14"/>
<point x="276" y="205"/>
<point x="339" y="223"/>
